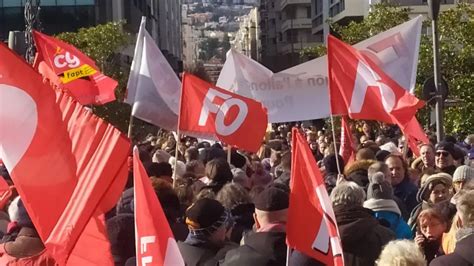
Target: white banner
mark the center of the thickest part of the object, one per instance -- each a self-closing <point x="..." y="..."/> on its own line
<point x="153" y="87"/>
<point x="301" y="92"/>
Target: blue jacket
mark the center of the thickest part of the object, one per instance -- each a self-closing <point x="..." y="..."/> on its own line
<point x="397" y="224"/>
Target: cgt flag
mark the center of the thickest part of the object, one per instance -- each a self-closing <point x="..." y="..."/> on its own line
<point x="155" y="244"/>
<point x="68" y="68"/>
<point x="209" y="110"/>
<point x="311" y="227"/>
<point x="68" y="166"/>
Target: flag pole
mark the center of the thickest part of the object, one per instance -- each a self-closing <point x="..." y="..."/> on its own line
<point x="176" y="153"/>
<point x="287" y="255"/>
<point x="229" y="151"/>
<point x="130" y="126"/>
<point x="335" y="146"/>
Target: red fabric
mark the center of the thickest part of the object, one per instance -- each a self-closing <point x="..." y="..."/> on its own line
<point x="354" y="78"/>
<point x="414" y="134"/>
<point x="94" y="89"/>
<point x="311" y="227"/>
<point x="155" y="244"/>
<point x="5" y="192"/>
<point x="242" y="125"/>
<point x="67" y="164"/>
<point x="347" y="149"/>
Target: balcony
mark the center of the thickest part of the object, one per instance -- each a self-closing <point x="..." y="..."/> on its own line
<point x="285" y="3"/>
<point x="297" y="23"/>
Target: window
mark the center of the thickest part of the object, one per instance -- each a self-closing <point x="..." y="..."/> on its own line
<point x="308" y="12"/>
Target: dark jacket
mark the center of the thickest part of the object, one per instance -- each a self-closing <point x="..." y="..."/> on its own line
<point x="362" y="236"/>
<point x="448" y="170"/>
<point x="262" y="248"/>
<point x="406" y="191"/>
<point x="203" y="254"/>
<point x="463" y="254"/>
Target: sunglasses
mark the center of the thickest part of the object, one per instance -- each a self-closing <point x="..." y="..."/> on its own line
<point x="444" y="153"/>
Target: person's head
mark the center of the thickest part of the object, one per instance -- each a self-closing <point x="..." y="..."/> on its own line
<point x="233" y="194"/>
<point x="196" y="167"/>
<point x="427" y="154"/>
<point x="461" y="176"/>
<point x="381" y="140"/>
<point x="184" y="190"/>
<point x="366" y="128"/>
<point x="218" y="170"/>
<point x="208" y="220"/>
<point x="168" y="198"/>
<point x="160" y="170"/>
<point x="348" y="194"/>
<point x="241" y="178"/>
<point x="191" y="154"/>
<point x="271" y="206"/>
<point x="18" y="213"/>
<point x="365" y="154"/>
<point x="321" y="138"/>
<point x="437" y="188"/>
<point x="311" y="137"/>
<point x="121" y="235"/>
<point x="363" y="139"/>
<point x="401" y="253"/>
<point x="379" y="187"/>
<point x="465" y="207"/>
<point x="397" y="167"/>
<point x="330" y="164"/>
<point x="444" y="154"/>
<point x="379" y="167"/>
<point x="322" y="146"/>
<point x="432" y="224"/>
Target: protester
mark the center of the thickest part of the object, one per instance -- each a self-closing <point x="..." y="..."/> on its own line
<point x="237" y="200"/>
<point x="267" y="245"/>
<point x="362" y="235"/>
<point x="401" y="253"/>
<point x="461" y="176"/>
<point x="402" y="187"/>
<point x="431" y="226"/>
<point x="380" y="201"/>
<point x="121" y="234"/>
<point x="435" y="191"/>
<point x="444" y="157"/>
<point x="209" y="225"/>
<point x="463" y="253"/>
<point x="219" y="173"/>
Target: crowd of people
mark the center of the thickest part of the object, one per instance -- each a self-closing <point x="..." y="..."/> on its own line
<point x="391" y="207"/>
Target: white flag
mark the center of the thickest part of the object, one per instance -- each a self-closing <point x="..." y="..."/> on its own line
<point x="301" y="92"/>
<point x="153" y="87"/>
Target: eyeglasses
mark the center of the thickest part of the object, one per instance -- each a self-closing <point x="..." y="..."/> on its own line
<point x="444" y="153"/>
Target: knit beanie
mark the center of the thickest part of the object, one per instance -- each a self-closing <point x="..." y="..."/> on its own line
<point x="463" y="173"/>
<point x="379" y="188"/>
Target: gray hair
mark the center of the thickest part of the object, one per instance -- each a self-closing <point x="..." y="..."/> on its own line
<point x="465" y="207"/>
<point x="348" y="194"/>
<point x="233" y="194"/>
<point x="401" y="253"/>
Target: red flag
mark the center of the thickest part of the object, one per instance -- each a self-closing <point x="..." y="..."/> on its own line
<point x="360" y="89"/>
<point x="5" y="193"/>
<point x="347" y="149"/>
<point x="67" y="164"/>
<point x="414" y="134"/>
<point x="311" y="227"/>
<point x="68" y="68"/>
<point x="155" y="243"/>
<point x="233" y="119"/>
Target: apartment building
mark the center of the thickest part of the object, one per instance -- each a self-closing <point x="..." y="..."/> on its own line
<point x="246" y="38"/>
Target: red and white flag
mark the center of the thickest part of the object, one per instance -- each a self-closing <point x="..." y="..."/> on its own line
<point x="360" y="89"/>
<point x="207" y="110"/>
<point x="155" y="243"/>
<point x="68" y="68"/>
<point x="347" y="149"/>
<point x="311" y="227"/>
<point x="68" y="165"/>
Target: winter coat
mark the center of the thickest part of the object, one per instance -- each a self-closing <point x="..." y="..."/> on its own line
<point x="406" y="191"/>
<point x="397" y="224"/>
<point x="26" y="249"/>
<point x="261" y="248"/>
<point x="463" y="254"/>
<point x="362" y="236"/>
<point x="203" y="254"/>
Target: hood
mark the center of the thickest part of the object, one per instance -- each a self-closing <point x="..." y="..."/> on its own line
<point x="382" y="205"/>
<point x="358" y="165"/>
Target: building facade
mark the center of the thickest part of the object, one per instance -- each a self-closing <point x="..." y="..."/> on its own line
<point x="246" y="38"/>
<point x="56" y="16"/>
